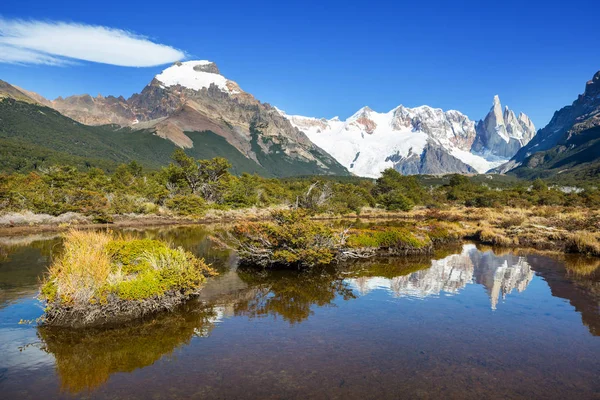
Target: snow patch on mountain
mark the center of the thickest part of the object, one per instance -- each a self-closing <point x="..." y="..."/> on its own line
<point x="193" y="75"/>
<point x="481" y="162"/>
<point x="369" y="142"/>
<point x="364" y="153"/>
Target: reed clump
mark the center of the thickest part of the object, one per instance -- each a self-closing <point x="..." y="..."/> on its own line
<point x="101" y="276"/>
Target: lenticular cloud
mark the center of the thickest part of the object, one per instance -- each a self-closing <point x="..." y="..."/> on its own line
<point x="59" y="43"/>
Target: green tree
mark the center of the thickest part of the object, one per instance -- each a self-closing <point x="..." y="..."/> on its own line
<point x="395" y="200"/>
<point x="187" y="169"/>
<point x="205" y="177"/>
<point x="213" y="178"/>
<point x="393" y="181"/>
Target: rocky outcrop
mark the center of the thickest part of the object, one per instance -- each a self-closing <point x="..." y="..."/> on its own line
<point x="98" y="110"/>
<point x="583" y="114"/>
<point x="16" y="93"/>
<point x="449" y="127"/>
<point x="434" y="160"/>
<point x="194" y="96"/>
<point x="502" y="133"/>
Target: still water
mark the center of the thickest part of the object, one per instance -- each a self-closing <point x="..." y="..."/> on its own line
<point x="468" y="322"/>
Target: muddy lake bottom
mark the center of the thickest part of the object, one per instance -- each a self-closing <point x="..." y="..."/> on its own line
<point x="467" y="322"/>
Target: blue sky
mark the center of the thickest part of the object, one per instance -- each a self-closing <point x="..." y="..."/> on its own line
<point x="327" y="58"/>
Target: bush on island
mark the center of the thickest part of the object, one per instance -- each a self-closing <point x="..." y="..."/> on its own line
<point x="100" y="277"/>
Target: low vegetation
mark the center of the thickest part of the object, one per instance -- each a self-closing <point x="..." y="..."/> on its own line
<point x="292" y="239"/>
<point x="494" y="209"/>
<point x="191" y="188"/>
<point x="100" y="277"/>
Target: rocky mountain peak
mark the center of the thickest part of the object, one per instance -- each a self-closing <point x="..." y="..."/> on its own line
<point x="501" y="133"/>
<point x="363" y="112"/>
<point x="362" y="118"/>
<point x="496" y="115"/>
<point x="524" y="120"/>
<point x="194" y="75"/>
<point x="579" y="116"/>
<point x="592" y="87"/>
<point x="568" y="142"/>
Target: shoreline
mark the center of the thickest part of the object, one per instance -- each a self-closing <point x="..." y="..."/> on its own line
<point x="124" y="221"/>
<point x="547" y="228"/>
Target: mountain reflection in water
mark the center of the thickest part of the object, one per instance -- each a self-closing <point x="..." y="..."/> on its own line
<point x="249" y="320"/>
<point x="500" y="275"/>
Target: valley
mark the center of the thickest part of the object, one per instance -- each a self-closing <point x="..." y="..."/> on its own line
<point x="344" y="201"/>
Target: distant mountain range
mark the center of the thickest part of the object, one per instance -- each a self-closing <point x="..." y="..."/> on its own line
<point x="421" y="140"/>
<point x="189" y="104"/>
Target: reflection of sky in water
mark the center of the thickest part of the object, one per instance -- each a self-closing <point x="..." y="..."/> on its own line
<point x="428" y="333"/>
<point x="19" y="344"/>
<point x="500" y="275"/>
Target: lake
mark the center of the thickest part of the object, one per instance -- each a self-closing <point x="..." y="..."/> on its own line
<point x="467" y="322"/>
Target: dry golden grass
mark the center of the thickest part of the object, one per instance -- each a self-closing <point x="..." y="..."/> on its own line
<point x="83" y="267"/>
<point x="585" y="242"/>
<point x="495" y="237"/>
<point x="569" y="229"/>
<point x="100" y="275"/>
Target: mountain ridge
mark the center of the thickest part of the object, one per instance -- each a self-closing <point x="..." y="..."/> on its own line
<point x="419" y="140"/>
<point x="582" y="114"/>
<point x="170" y="110"/>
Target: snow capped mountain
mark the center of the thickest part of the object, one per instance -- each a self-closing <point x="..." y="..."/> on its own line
<point x="411" y="140"/>
<point x="420" y="140"/>
<point x="196" y="75"/>
<point x="190" y="101"/>
<point x="502" y="133"/>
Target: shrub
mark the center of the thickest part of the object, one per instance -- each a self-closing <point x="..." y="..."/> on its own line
<point x="290" y="240"/>
<point x="396" y="201"/>
<point x="101" y="270"/>
<point x="187" y="205"/>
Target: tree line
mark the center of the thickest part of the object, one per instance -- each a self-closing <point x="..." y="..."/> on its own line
<point x="190" y="187"/>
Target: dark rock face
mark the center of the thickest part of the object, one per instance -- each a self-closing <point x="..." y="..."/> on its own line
<point x="583" y="114"/>
<point x="434" y="160"/>
<point x="211" y="68"/>
<point x="155" y="101"/>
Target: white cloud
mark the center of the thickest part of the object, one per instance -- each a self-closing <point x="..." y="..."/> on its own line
<point x="59" y="43"/>
<point x="16" y="55"/>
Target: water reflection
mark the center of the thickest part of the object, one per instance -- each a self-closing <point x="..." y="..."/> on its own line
<point x="86" y="359"/>
<point x="500" y="275"/>
<point x="22" y="261"/>
<point x="291" y="295"/>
